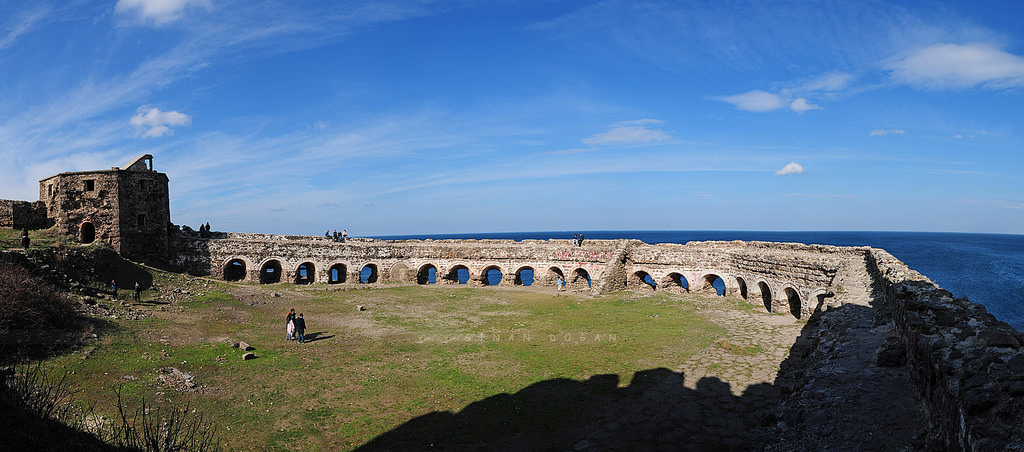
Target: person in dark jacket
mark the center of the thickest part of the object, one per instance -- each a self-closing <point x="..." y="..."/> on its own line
<point x="300" y="328"/>
<point x="25" y="241"/>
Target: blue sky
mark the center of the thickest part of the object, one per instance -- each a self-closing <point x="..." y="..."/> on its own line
<point x="414" y="117"/>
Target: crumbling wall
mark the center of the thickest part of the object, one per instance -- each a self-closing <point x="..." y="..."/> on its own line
<point x="968" y="365"/>
<point x="23" y="214"/>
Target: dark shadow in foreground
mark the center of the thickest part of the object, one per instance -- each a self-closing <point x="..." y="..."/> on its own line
<point x="318" y="336"/>
<point x="655" y="412"/>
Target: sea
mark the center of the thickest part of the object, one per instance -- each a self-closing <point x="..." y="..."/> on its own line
<point x="986" y="268"/>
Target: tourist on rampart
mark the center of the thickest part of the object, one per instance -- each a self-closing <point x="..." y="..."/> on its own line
<point x="300" y="328"/>
<point x="113" y="287"/>
<point x="575" y="240"/>
<point x="580" y="243"/>
<point x="344" y="235"/>
<point x="24" y="239"/>
<point x="290" y="325"/>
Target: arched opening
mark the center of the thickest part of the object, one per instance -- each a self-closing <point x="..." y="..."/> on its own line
<point x="427" y="274"/>
<point x="579" y="277"/>
<point x="642" y="280"/>
<point x="524" y="277"/>
<point x="87" y="233"/>
<point x="794" y="301"/>
<point x="492" y="276"/>
<point x="270" y="272"/>
<point x="713" y="283"/>
<point x="821" y="297"/>
<point x="459" y="274"/>
<point x="368" y="274"/>
<point x="551" y="277"/>
<point x="676" y="280"/>
<point x="305" y="273"/>
<point x="234" y="270"/>
<point x="766" y="295"/>
<point x="337" y="274"/>
<point x="742" y="287"/>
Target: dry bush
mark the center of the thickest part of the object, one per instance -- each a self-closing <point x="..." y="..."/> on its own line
<point x="34" y="316"/>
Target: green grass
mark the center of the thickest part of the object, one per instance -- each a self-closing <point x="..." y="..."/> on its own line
<point x="414" y="351"/>
<point x="39" y="238"/>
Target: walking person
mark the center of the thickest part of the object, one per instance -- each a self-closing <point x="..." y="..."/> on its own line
<point x="24" y="239"/>
<point x="138" y="292"/>
<point x="300" y="328"/>
<point x="113" y="287"/>
<point x="560" y="284"/>
<point x="289" y="325"/>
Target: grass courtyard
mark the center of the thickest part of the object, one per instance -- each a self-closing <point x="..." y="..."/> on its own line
<point x="413" y="351"/>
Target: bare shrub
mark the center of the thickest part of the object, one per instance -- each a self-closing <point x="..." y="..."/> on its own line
<point x="34" y="316"/>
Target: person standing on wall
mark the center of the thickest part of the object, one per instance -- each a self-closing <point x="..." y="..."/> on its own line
<point x="344" y="235"/>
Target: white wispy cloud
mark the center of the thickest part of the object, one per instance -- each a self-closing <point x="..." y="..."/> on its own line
<point x="629" y="132"/>
<point x="757" y="101"/>
<point x="801" y="105"/>
<point x="883" y="132"/>
<point x="959" y="66"/>
<point x="151" y="122"/>
<point x="790" y="168"/>
<point x="158" y="12"/>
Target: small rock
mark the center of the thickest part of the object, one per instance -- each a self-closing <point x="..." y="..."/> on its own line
<point x="245" y="347"/>
<point x="235" y="344"/>
<point x="277" y="295"/>
<point x="361" y="308"/>
<point x="248" y="356"/>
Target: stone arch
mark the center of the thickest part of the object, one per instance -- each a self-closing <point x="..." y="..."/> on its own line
<point x="529" y="279"/>
<point x="641" y="280"/>
<point x="400" y="272"/>
<point x="489" y="272"/>
<point x="337" y="274"/>
<point x="551" y="276"/>
<point x="793" y="300"/>
<point x="235" y="269"/>
<point x="580" y="279"/>
<point x="707" y="284"/>
<point x="819" y="296"/>
<point x="676" y="280"/>
<point x="453" y="276"/>
<point x="766" y="295"/>
<point x="424" y="276"/>
<point x="305" y="273"/>
<point x="86" y="232"/>
<point x="270" y="271"/>
<point x="369" y="273"/>
<point x="741" y="287"/>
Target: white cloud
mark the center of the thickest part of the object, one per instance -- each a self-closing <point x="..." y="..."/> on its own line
<point x="801" y="105"/>
<point x="883" y="132"/>
<point x="629" y="132"/>
<point x="790" y="168"/>
<point x="756" y="100"/>
<point x="959" y="66"/>
<point x="159" y="11"/>
<point x="152" y="123"/>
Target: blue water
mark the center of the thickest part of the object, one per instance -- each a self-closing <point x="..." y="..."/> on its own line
<point x="986" y="268"/>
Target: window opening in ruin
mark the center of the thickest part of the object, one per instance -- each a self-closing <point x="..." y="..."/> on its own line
<point x="524" y="277"/>
<point x="492" y="277"/>
<point x="579" y="276"/>
<point x="305" y="273"/>
<point x="142" y="219"/>
<point x="743" y="287"/>
<point x="368" y="274"/>
<point x="234" y="270"/>
<point x="337" y="274"/>
<point x="642" y="280"/>
<point x="714" y="282"/>
<point x="49" y="190"/>
<point x="87" y="233"/>
<point x="90" y="185"/>
<point x="144" y="184"/>
<point x="766" y="295"/>
<point x="676" y="280"/>
<point x="427" y="275"/>
<point x="270" y="273"/>
<point x="794" y="302"/>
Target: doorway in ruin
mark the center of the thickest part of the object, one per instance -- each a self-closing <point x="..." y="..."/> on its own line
<point x="492" y="276"/>
<point x="270" y="272"/>
<point x="234" y="270"/>
<point x="715" y="283"/>
<point x="87" y="233"/>
<point x="337" y="274"/>
<point x="676" y="280"/>
<point x="305" y="273"/>
<point x="742" y="287"/>
<point x="766" y="295"/>
<point x="642" y="280"/>
<point x="524" y="277"/>
<point x="793" y="298"/>
<point x="427" y="274"/>
<point x="368" y="274"/>
<point x="579" y="277"/>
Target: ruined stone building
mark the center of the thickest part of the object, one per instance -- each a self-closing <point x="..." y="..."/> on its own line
<point x="127" y="207"/>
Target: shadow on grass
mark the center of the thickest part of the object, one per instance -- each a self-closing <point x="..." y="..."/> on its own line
<point x="656" y="411"/>
<point x="318" y="336"/>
